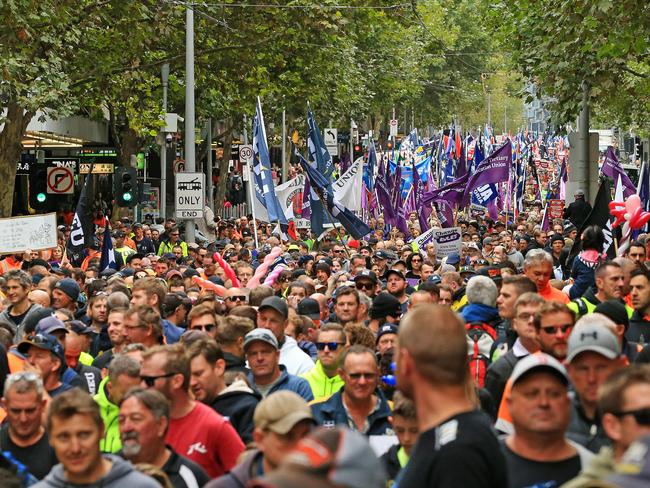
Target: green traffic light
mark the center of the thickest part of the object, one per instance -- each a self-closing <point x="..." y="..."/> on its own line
<point x="127" y="197"/>
<point x="40" y="197"/>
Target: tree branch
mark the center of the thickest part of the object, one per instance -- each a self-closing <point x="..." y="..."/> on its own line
<point x="170" y="60"/>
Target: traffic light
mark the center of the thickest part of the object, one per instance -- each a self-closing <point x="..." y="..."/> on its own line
<point x="125" y="181"/>
<point x="38" y="197"/>
<point x="358" y="151"/>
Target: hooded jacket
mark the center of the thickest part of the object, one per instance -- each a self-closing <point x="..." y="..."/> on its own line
<point x="237" y="403"/>
<point x="478" y="312"/>
<point x="240" y="475"/>
<point x="109" y="411"/>
<point x="18" y="328"/>
<point x="322" y="386"/>
<point x="289" y="382"/>
<point x="121" y="474"/>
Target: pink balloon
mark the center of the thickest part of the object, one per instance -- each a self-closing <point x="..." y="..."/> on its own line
<point x="632" y="203"/>
<point x="263" y="268"/>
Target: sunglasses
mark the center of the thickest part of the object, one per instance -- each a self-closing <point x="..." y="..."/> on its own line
<point x="332" y="346"/>
<point x="203" y="327"/>
<point x="552" y="330"/>
<point x="365" y="376"/>
<point x="365" y="286"/>
<point x="241" y="298"/>
<point x="150" y="380"/>
<point x="642" y="415"/>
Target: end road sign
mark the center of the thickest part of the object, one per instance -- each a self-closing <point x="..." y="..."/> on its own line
<point x="189" y="195"/>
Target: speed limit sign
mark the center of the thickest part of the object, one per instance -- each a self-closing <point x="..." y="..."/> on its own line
<point x="246" y="154"/>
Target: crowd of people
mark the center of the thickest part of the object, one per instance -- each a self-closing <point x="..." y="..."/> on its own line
<point x="254" y="361"/>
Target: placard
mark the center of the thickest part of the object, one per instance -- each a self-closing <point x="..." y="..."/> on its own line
<point x="34" y="232"/>
<point x="447" y="241"/>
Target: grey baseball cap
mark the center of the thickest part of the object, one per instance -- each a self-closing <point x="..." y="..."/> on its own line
<point x="592" y="337"/>
<point x="264" y="335"/>
<point x="538" y="361"/>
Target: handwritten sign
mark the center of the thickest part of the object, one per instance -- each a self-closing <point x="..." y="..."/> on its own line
<point x="34" y="232"/>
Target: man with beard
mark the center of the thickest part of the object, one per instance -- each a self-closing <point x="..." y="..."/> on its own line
<point x="195" y="430"/>
<point x="144" y="421"/>
<point x="431" y="360"/>
<point x="97" y="312"/>
<point x="123" y="374"/>
<point x="396" y="285"/>
<point x="609" y="285"/>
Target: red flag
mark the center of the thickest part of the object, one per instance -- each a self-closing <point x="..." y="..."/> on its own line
<point x="459" y="145"/>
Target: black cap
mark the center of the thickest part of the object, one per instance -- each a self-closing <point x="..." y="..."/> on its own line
<point x="367" y="275"/>
<point x="384" y="305"/>
<point x="615" y="310"/>
<point x="310" y="308"/>
<point x="493" y="272"/>
<point x="387" y="329"/>
<point x="381" y="255"/>
<point x="395" y="272"/>
<point x="277" y="304"/>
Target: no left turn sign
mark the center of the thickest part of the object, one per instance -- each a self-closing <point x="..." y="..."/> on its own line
<point x="60" y="181"/>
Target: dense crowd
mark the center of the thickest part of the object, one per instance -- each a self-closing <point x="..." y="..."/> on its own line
<point x="250" y="360"/>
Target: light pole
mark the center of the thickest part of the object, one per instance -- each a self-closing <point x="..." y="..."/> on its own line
<point x="164" y="72"/>
<point x="190" y="149"/>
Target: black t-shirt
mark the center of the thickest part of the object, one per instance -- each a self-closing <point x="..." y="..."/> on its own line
<point x="525" y="473"/>
<point x="183" y="473"/>
<point x="462" y="451"/>
<point x="39" y="458"/>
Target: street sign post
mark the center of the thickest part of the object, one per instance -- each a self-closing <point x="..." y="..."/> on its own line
<point x="331" y="140"/>
<point x="189" y="195"/>
<point x="60" y="181"/>
<point x="245" y="153"/>
<point x="393" y="128"/>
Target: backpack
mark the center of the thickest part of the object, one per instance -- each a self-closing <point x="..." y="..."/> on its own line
<point x="480" y="338"/>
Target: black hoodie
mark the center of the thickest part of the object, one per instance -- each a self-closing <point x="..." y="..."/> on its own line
<point x="237" y="403"/>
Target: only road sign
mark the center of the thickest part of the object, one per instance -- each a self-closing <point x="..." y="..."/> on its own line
<point x="189" y="195"/>
<point x="60" y="181"/>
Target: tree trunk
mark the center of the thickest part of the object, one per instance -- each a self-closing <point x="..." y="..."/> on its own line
<point x="223" y="166"/>
<point x="10" y="150"/>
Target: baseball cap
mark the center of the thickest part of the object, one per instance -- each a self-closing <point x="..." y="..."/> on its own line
<point x="69" y="287"/>
<point x="43" y="341"/>
<point x="493" y="272"/>
<point x="264" y="335"/>
<point x="387" y="329"/>
<point x="453" y="258"/>
<point x="277" y="304"/>
<point x="173" y="272"/>
<point x="381" y="255"/>
<point x="135" y="255"/>
<point x="310" y="308"/>
<point x="535" y="362"/>
<point x="367" y="275"/>
<point x="78" y="327"/>
<point x="281" y="411"/>
<point x="50" y="324"/>
<point x="118" y="233"/>
<point x="293" y="247"/>
<point x="592" y="337"/>
<point x="395" y="272"/>
<point x="614" y="310"/>
<point x="332" y="457"/>
<point x="466" y="269"/>
<point x="384" y="305"/>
